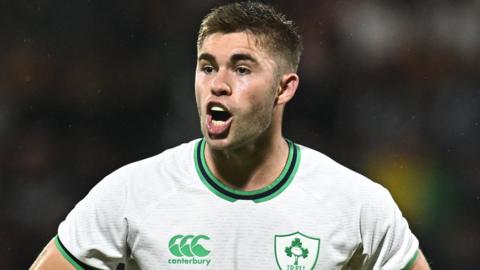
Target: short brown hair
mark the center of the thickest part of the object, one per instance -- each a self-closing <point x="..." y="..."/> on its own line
<point x="271" y="27"/>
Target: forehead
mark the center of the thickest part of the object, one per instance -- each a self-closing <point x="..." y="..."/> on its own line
<point x="226" y="44"/>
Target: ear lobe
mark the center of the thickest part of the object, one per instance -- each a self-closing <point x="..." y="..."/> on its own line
<point x="288" y="87"/>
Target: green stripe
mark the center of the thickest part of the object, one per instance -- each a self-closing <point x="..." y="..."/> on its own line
<point x="242" y="192"/>
<point x="66" y="256"/>
<point x="204" y="181"/>
<point x="412" y="261"/>
<point x="202" y="164"/>
<point x="292" y="175"/>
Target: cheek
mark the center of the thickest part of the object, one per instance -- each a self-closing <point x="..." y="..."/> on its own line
<point x="262" y="98"/>
<point x="258" y="107"/>
<point x="198" y="100"/>
<point x="199" y="89"/>
<point x="200" y="80"/>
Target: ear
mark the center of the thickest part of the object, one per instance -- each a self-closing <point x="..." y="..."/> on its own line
<point x="287" y="88"/>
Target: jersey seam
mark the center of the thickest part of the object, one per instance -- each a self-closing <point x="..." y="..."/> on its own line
<point x="139" y="219"/>
<point x="313" y="196"/>
<point x="126" y="247"/>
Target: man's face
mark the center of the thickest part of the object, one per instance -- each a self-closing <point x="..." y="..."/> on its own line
<point x="235" y="88"/>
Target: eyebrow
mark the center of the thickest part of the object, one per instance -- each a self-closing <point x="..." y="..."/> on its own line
<point x="242" y="57"/>
<point x="234" y="58"/>
<point x="207" y="57"/>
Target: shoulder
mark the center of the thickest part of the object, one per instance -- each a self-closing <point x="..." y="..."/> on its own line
<point x="360" y="200"/>
<point x="329" y="178"/>
<point x="140" y="182"/>
<point x="173" y="162"/>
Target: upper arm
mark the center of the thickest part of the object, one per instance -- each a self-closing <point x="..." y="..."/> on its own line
<point x="51" y="259"/>
<point x="420" y="263"/>
<point x="386" y="236"/>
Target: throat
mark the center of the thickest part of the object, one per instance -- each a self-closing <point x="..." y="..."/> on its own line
<point x="247" y="169"/>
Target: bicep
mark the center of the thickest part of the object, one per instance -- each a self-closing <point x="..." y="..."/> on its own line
<point x="420" y="263"/>
<point x="51" y="258"/>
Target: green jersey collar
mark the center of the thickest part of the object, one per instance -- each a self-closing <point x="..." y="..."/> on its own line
<point x="260" y="195"/>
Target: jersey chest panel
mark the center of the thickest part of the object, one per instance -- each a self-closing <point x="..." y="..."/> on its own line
<point x="198" y="230"/>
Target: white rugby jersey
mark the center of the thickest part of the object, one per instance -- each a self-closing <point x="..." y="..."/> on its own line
<point x="170" y="212"/>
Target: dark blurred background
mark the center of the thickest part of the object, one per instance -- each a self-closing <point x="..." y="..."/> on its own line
<point x="388" y="88"/>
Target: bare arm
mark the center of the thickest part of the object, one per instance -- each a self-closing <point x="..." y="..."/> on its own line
<point x="51" y="258"/>
<point x="420" y="263"/>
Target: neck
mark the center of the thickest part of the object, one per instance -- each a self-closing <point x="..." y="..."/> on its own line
<point x="251" y="166"/>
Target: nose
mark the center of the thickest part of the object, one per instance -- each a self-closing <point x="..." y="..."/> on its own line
<point x="220" y="84"/>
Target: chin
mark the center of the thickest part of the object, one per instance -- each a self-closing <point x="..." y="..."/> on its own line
<point x="218" y="144"/>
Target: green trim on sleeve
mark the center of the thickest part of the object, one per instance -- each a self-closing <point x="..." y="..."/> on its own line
<point x="65" y="254"/>
<point x="412" y="261"/>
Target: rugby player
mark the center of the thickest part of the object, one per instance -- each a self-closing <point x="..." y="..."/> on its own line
<point x="243" y="196"/>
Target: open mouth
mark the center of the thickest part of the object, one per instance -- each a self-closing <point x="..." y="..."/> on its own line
<point x="219" y="114"/>
<point x="218" y="120"/>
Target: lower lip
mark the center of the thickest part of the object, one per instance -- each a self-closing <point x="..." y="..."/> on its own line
<point x="218" y="131"/>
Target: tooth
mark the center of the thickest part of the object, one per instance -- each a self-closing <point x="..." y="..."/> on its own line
<point x="218" y="109"/>
<point x="217" y="123"/>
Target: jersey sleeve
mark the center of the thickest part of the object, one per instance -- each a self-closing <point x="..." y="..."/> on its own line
<point x="386" y="236"/>
<point x="94" y="233"/>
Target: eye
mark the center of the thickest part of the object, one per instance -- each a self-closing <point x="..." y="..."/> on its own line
<point x="207" y="69"/>
<point x="242" y="70"/>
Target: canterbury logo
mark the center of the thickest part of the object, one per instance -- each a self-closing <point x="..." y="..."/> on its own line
<point x="187" y="245"/>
